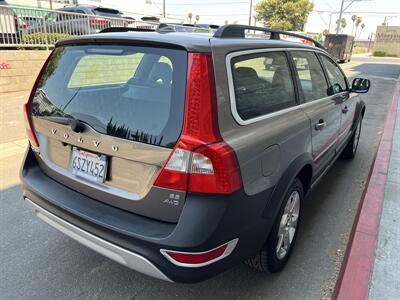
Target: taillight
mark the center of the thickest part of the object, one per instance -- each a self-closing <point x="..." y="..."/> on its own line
<point x="199" y="259"/>
<point x="100" y="22"/>
<point x="201" y="161"/>
<point x="30" y="130"/>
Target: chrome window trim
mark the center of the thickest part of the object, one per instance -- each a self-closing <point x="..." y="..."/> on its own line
<point x="231" y="88"/>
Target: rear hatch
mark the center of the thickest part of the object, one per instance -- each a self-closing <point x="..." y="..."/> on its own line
<point x="107" y="118"/>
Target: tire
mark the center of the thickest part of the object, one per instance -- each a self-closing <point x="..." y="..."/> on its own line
<point x="349" y="152"/>
<point x="272" y="258"/>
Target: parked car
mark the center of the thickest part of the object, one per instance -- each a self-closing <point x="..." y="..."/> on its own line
<point x="80" y="20"/>
<point x="9" y="25"/>
<point x="178" y="154"/>
<point x="340" y="46"/>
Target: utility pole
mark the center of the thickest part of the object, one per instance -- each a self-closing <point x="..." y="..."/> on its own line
<point x="330" y="22"/>
<point x="342" y="10"/>
<point x="251" y="10"/>
<point x="164" y="8"/>
<point x="340" y="17"/>
<point x="370" y="41"/>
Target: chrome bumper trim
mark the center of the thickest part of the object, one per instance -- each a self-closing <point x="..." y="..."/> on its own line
<point x="112" y="251"/>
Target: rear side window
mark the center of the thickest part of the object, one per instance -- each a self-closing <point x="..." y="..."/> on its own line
<point x="311" y="75"/>
<point x="130" y="92"/>
<point x="335" y="75"/>
<point x="262" y="84"/>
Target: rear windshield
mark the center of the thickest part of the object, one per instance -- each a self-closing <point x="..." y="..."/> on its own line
<point x="106" y="12"/>
<point x="130" y="92"/>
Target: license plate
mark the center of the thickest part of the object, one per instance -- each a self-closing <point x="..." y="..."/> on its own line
<point x="89" y="165"/>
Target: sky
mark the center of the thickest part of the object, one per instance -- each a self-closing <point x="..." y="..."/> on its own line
<point x="373" y="12"/>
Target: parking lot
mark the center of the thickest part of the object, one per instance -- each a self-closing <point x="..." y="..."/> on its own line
<point x="38" y="262"/>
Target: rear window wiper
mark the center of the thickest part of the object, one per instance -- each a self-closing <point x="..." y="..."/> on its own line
<point x="75" y="124"/>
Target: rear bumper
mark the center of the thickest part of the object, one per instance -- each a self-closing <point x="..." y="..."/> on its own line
<point x="206" y="221"/>
<point x="114" y="252"/>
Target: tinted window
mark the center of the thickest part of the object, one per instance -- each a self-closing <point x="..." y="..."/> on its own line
<point x="262" y="84"/>
<point x="311" y="75"/>
<point x="106" y="12"/>
<point x="135" y="93"/>
<point x="335" y="75"/>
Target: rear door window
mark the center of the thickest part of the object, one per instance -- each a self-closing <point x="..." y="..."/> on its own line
<point x="130" y="92"/>
<point x="311" y="75"/>
<point x="262" y="84"/>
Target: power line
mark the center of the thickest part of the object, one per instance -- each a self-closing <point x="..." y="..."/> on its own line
<point x="203" y="3"/>
<point x="359" y="12"/>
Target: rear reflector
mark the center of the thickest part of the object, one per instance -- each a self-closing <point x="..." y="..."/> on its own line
<point x="201" y="161"/>
<point x="199" y="259"/>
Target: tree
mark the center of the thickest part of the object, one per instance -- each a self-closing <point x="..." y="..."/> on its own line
<point x="358" y="22"/>
<point x="325" y="32"/>
<point x="197" y="18"/>
<point x="362" y="27"/>
<point x="190" y="16"/>
<point x="353" y="19"/>
<point x="343" y="23"/>
<point x="284" y="14"/>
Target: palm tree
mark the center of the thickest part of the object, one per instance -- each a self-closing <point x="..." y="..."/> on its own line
<point x="190" y="16"/>
<point x="353" y="18"/>
<point x="362" y="27"/>
<point x="197" y="18"/>
<point x="358" y="22"/>
<point x="343" y="23"/>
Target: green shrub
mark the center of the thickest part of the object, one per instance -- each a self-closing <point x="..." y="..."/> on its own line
<point x="40" y="38"/>
<point x="379" y="53"/>
<point x="360" y="51"/>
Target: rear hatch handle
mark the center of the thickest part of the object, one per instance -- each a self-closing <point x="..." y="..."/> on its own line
<point x="75" y="124"/>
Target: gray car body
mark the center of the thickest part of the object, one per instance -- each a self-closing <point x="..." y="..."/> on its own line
<point x="271" y="150"/>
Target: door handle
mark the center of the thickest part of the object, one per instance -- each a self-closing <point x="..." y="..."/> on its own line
<point x="345" y="110"/>
<point x="320" y="125"/>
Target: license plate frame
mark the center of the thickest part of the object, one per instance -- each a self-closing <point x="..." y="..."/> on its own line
<point x="85" y="163"/>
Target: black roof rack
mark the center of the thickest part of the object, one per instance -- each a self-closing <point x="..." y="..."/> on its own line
<point x="238" y="31"/>
<point x="161" y="28"/>
<point x="125" y="29"/>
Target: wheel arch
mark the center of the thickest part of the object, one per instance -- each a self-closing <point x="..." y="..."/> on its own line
<point x="360" y="112"/>
<point x="302" y="168"/>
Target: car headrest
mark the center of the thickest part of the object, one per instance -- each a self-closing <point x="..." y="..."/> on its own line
<point x="246" y="73"/>
<point x="161" y="71"/>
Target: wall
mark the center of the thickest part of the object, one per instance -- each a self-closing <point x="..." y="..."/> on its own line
<point x="363" y="46"/>
<point x="388" y="39"/>
<point x="19" y="69"/>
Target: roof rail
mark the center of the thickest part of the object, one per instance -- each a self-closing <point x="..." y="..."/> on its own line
<point x="238" y="31"/>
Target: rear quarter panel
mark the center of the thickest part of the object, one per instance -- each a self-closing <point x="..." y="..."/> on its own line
<point x="265" y="148"/>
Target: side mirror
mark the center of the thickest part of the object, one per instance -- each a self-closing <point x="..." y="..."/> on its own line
<point x="360" y="85"/>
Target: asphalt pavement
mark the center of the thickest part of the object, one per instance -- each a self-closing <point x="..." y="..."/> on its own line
<point x="38" y="262"/>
